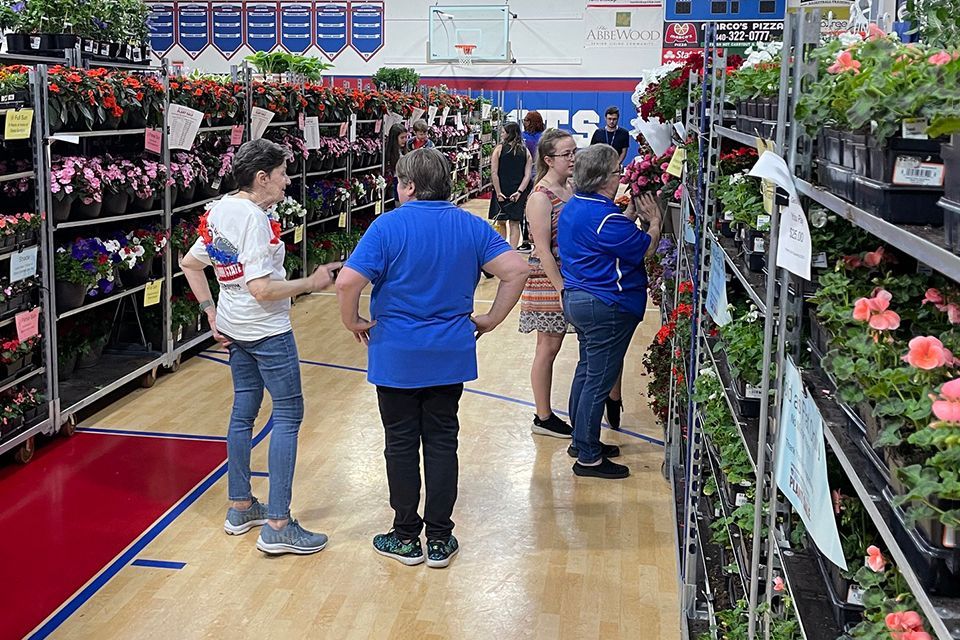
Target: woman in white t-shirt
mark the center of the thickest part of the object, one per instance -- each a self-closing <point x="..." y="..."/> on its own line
<point x="241" y="241"/>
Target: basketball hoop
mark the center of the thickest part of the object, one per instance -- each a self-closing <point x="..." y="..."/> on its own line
<point x="465" y="53"/>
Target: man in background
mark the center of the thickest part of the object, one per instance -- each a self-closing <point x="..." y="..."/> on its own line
<point x="613" y="134"/>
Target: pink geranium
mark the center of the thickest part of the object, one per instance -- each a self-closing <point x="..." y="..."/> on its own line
<point x="946" y="406"/>
<point x="927" y="352"/>
<point x="778" y="585"/>
<point x="875" y="559"/>
<point x="940" y="58"/>
<point x="844" y="62"/>
<point x="875" y="311"/>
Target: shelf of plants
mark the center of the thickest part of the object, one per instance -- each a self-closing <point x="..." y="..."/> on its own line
<point x="872" y="139"/>
<point x="119" y="217"/>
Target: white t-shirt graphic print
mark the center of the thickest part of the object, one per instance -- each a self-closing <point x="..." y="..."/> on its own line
<point x="241" y="251"/>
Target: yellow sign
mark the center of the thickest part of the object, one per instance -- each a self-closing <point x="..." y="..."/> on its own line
<point x="378" y="208"/>
<point x="768" y="188"/>
<point x="343" y="220"/>
<point x="298" y="235"/>
<point x="18" y="124"/>
<point x="151" y="294"/>
<point x="676" y="162"/>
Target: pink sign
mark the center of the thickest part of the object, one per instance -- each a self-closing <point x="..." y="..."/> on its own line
<point x="236" y="135"/>
<point x="343" y="129"/>
<point x="153" y="141"/>
<point x="378" y="126"/>
<point x="301" y="121"/>
<point x="28" y="324"/>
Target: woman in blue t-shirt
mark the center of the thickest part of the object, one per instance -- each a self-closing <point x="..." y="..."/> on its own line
<point x="532" y="131"/>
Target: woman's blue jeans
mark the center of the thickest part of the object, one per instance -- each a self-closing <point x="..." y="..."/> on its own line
<point x="272" y="363"/>
<point x="604" y="333"/>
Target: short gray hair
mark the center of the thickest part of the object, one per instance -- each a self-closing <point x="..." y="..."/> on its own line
<point x="593" y="167"/>
<point x="429" y="170"/>
<point x="255" y="156"/>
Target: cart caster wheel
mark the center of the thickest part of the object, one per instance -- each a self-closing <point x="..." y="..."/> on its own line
<point x="25" y="453"/>
<point x="176" y="365"/>
<point x="69" y="427"/>
<point x="149" y="379"/>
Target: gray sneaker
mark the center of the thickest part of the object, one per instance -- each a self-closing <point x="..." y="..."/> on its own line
<point x="239" y="522"/>
<point x="291" y="539"/>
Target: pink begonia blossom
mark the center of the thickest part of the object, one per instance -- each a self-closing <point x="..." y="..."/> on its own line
<point x="940" y="58"/>
<point x="875" y="33"/>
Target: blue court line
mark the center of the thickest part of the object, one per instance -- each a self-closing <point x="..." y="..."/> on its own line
<point x="158" y="564"/>
<point x="80" y="598"/>
<point x="158" y="434"/>
<point x="206" y="356"/>
<point x="259" y="474"/>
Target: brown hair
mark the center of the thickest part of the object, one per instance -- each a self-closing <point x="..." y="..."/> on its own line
<point x="546" y="147"/>
<point x="421" y="126"/>
<point x="533" y="122"/>
<point x="512" y="140"/>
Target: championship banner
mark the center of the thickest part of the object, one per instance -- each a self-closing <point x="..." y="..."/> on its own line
<point x="331" y="31"/>
<point x="261" y="26"/>
<point x="296" y="26"/>
<point x="193" y="27"/>
<point x="227" y="27"/>
<point x="161" y="23"/>
<point x="366" y="28"/>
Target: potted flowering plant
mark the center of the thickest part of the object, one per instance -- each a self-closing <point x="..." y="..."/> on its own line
<point x="14" y="85"/>
<point x="17" y="297"/>
<point x="296" y="149"/>
<point x="30" y="401"/>
<point x="76" y="182"/>
<point x="11" y="419"/>
<point x="151" y="243"/>
<point x="18" y="230"/>
<point x="273" y="96"/>
<point x="185" y="171"/>
<point x="118" y="179"/>
<point x="754" y="86"/>
<point x="289" y="212"/>
<point x="82" y="98"/>
<point x="147" y="184"/>
<point x="184" y="316"/>
<point x="217" y="99"/>
<point x="16" y="355"/>
<point x="182" y="238"/>
<point x="19" y="192"/>
<point x="83" y="267"/>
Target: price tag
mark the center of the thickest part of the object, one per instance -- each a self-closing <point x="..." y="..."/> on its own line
<point x="18" y="124"/>
<point x="151" y="294"/>
<point x="819" y="261"/>
<point x="908" y="170"/>
<point x="184" y="124"/>
<point x="342" y="223"/>
<point x="378" y="126"/>
<point x="740" y="499"/>
<point x="236" y="135"/>
<point x="763" y="223"/>
<point x="485" y="110"/>
<point x="28" y="324"/>
<point x="153" y="141"/>
<point x="343" y="129"/>
<point x="298" y="234"/>
<point x="432" y="113"/>
<point x="311" y="132"/>
<point x="855" y="595"/>
<point x="259" y="119"/>
<point x="353" y="128"/>
<point x="753" y="392"/>
<point x="459" y="121"/>
<point x="676" y="162"/>
<point x="137" y="54"/>
<point x="915" y="128"/>
<point x="23" y="264"/>
<point x="417" y="113"/>
<point x="300" y="121"/>
<point x="678" y="127"/>
<point x="378" y="208"/>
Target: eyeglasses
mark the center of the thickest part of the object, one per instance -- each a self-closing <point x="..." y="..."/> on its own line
<point x="566" y="154"/>
<point x="618" y="172"/>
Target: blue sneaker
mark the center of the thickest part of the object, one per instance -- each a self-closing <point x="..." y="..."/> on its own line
<point x="389" y="544"/>
<point x="291" y="539"/>
<point x="440" y="551"/>
<point x="239" y="522"/>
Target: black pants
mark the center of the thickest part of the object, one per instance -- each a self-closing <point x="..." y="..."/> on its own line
<point x="412" y="416"/>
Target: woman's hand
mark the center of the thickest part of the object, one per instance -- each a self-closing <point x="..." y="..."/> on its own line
<point x="212" y="321"/>
<point x="501" y="197"/>
<point x="361" y="329"/>
<point x="648" y="210"/>
<point x="515" y="196"/>
<point x="323" y="276"/>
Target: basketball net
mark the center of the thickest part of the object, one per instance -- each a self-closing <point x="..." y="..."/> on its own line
<point x="465" y="53"/>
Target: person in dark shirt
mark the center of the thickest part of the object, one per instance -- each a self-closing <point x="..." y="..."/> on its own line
<point x="613" y="134"/>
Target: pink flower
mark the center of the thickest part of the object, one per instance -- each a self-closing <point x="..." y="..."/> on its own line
<point x="873" y="258"/>
<point x="845" y="62"/>
<point x="953" y="313"/>
<point x="874" y="32"/>
<point x="926" y="352"/>
<point x="940" y="58"/>
<point x="933" y="296"/>
<point x="778" y="585"/>
<point x="875" y="559"/>
<point x="915" y="635"/>
<point x="947" y="406"/>
<point x="885" y="321"/>
<point x="645" y="165"/>
<point x="861" y="309"/>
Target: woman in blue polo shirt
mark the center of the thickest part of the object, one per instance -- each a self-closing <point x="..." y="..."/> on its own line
<point x="605" y="294"/>
<point x="424" y="260"/>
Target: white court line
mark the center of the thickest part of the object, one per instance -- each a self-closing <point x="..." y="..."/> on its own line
<point x="367" y="295"/>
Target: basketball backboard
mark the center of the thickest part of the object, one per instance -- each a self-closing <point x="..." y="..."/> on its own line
<point x="485" y="26"/>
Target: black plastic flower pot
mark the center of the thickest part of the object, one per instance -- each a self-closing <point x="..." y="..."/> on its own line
<point x="838" y="594"/>
<point x="10" y="370"/>
<point x="185" y="195"/>
<point x="882" y="161"/>
<point x="92" y="357"/>
<point x="16" y="99"/>
<point x="835" y="179"/>
<point x="951" y="223"/>
<point x="205" y="190"/>
<point x="61" y="207"/>
<point x="64" y="41"/>
<point x="89" y="211"/>
<point x="69" y="295"/>
<point x="66" y="366"/>
<point x="18" y="43"/>
<point x="228" y="183"/>
<point x="950" y="153"/>
<point x="143" y="204"/>
<point x="854" y="146"/>
<point x="898" y="205"/>
<point x="832" y="145"/>
<point x="116" y="203"/>
<point x="139" y="274"/>
<point x="339" y="162"/>
<point x="747" y="407"/>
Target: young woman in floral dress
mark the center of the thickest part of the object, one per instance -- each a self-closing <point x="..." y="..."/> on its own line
<point x="541" y="309"/>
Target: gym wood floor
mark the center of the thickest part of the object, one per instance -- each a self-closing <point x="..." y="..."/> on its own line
<point x="544" y="554"/>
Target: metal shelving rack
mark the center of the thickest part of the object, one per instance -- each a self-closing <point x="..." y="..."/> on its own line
<point x="782" y="315"/>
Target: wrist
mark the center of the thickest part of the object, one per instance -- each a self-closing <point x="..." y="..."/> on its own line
<point x="208" y="306"/>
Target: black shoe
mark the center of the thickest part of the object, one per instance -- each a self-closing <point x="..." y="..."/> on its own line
<point x="606" y="450"/>
<point x="613" y="410"/>
<point x="524" y="247"/>
<point x="552" y="426"/>
<point x="439" y="552"/>
<point x="606" y="469"/>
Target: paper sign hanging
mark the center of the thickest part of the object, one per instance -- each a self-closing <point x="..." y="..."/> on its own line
<point x="458" y="120"/>
<point x="298" y="234"/>
<point x="432" y="113"/>
<point x="378" y="208"/>
<point x="66" y="137"/>
<point x="342" y="222"/>
<point x="28" y="324"/>
<point x="236" y="135"/>
<point x="301" y="121"/>
<point x="391" y="119"/>
<point x="18" y="124"/>
<point x="794" y="247"/>
<point x="23" y="264"/>
<point x="151" y="293"/>
<point x="353" y="127"/>
<point x="311" y="132"/>
<point x="656" y="134"/>
<point x="343" y="129"/>
<point x="801" y="473"/>
<point x="485" y="110"/>
<point x="153" y="141"/>
<point x="716" y="304"/>
<point x="678" y="127"/>
<point x="443" y="115"/>
<point x="184" y="123"/>
<point x="259" y="119"/>
<point x="418" y="113"/>
<point x="675" y="167"/>
<point x="378" y="126"/>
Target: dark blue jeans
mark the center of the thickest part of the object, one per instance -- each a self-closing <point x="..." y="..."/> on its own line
<point x="272" y="363"/>
<point x="604" y="333"/>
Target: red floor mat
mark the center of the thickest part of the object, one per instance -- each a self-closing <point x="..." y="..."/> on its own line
<point x="78" y="504"/>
